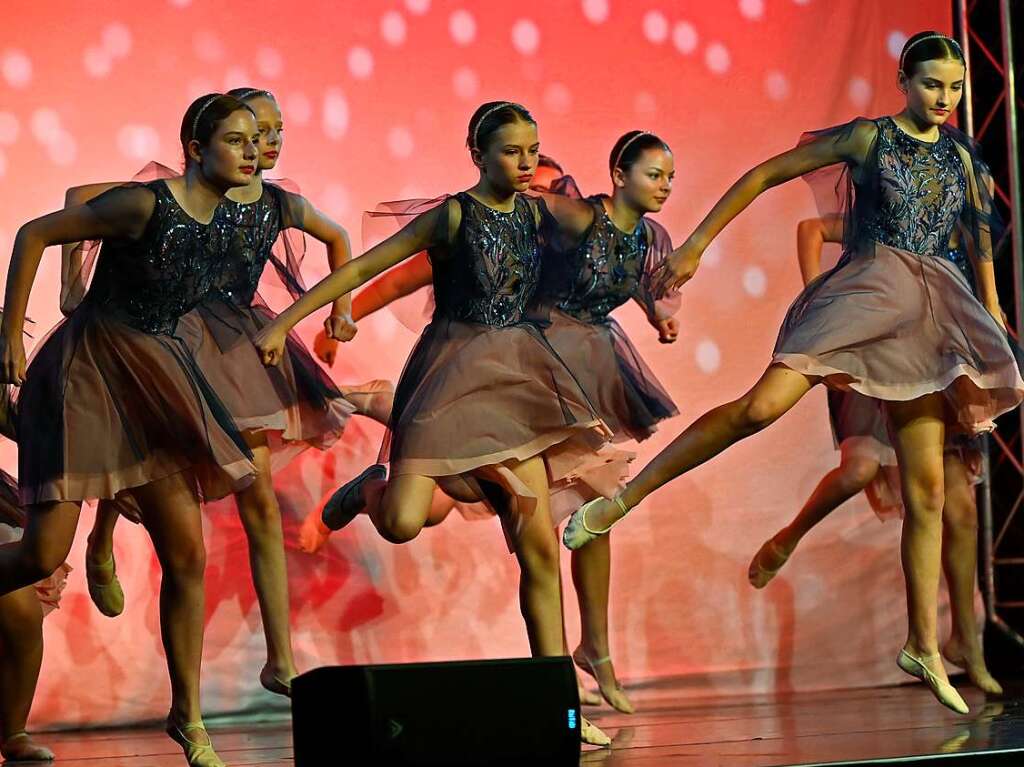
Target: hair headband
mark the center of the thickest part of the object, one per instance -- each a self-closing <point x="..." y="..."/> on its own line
<point x="907" y="50"/>
<point x="618" y="157"/>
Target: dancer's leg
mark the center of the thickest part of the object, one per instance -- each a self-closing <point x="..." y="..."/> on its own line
<point x="44" y="546"/>
<point x="261" y="518"/>
<point x="960" y="562"/>
<point x="778" y="389"/>
<point x="21" y="654"/>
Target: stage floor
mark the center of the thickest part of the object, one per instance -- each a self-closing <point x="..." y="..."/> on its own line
<point x="668" y="731"/>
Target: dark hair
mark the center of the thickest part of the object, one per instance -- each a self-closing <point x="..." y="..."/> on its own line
<point x="543" y="161"/>
<point x="203" y="116"/>
<point x="928" y="46"/>
<point x="489" y="117"/>
<point x="630" y="147"/>
<point x="247" y="94"/>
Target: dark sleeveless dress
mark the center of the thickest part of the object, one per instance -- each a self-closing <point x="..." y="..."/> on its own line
<point x="483" y="387"/>
<point x="578" y="291"/>
<point x="114" y="398"/>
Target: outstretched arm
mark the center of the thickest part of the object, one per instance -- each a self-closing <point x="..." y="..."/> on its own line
<point x="72" y="282"/>
<point x="850" y="145"/>
<point x="120" y="213"/>
<point x="427" y="230"/>
<point x="811" y="236"/>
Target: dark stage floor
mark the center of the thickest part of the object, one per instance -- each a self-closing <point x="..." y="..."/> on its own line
<point x="670" y="730"/>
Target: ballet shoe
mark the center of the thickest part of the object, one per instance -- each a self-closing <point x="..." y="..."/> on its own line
<point x="980" y="677"/>
<point x="758" y="574"/>
<point x="615" y="696"/>
<point x="587" y="698"/>
<point x="373" y="399"/>
<point x="273" y="683"/>
<point x="313" y="534"/>
<point x="108" y="597"/>
<point x="593" y="735"/>
<point x="347" y="501"/>
<point x="19" y="748"/>
<point x="942" y="690"/>
<point x="578" y="534"/>
<point x="196" y="754"/>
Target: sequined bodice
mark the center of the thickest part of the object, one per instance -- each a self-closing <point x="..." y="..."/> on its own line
<point x="255" y="228"/>
<point x="150" y="282"/>
<point x="604" y="272"/>
<point x="491" y="272"/>
<point x="921" y="194"/>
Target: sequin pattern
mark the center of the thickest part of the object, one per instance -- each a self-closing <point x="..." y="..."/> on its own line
<point x="492" y="270"/>
<point x="602" y="273"/>
<point x="922" y="192"/>
<point x="254" y="227"/>
<point x="151" y="282"/>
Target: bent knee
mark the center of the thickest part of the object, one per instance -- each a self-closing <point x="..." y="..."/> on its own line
<point x="859" y="472"/>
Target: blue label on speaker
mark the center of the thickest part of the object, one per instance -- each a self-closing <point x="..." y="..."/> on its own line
<point x="572" y="719"/>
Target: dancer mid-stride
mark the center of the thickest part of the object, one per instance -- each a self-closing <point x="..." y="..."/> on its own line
<point x="114" y="403"/>
<point x="894" y="320"/>
<point x="868" y="463"/>
<point x="484" y="408"/>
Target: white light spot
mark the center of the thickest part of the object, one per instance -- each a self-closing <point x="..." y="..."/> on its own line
<point x="335" y="200"/>
<point x="895" y="42"/>
<point x="525" y="37"/>
<point x="595" y="11"/>
<point x="400" y="142"/>
<point x="236" y="77"/>
<point x="392" y="28"/>
<point x="462" y="27"/>
<point x="644" y="103"/>
<point x="655" y="26"/>
<point x="709" y="358"/>
<point x="717" y="58"/>
<point x="418" y="7"/>
<point x="180" y="3"/>
<point x="712" y="256"/>
<point x="776" y="86"/>
<point x="45" y="125"/>
<point x="3" y="172"/>
<point x="755" y="281"/>
<point x="752" y="9"/>
<point x="360" y="63"/>
<point x="117" y="40"/>
<point x="684" y="37"/>
<point x="801" y="2"/>
<point x="207" y="46"/>
<point x="17" y="68"/>
<point x="335" y="114"/>
<point x="558" y="98"/>
<point x="97" y="62"/>
<point x="298" y="108"/>
<point x="859" y="90"/>
<point x="269" y="62"/>
<point x="465" y="83"/>
<point x="63" y="149"/>
<point x="10" y="128"/>
<point x="138" y="142"/>
<point x="200" y="86"/>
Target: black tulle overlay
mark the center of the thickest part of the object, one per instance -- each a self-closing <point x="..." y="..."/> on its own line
<point x="114" y="398"/>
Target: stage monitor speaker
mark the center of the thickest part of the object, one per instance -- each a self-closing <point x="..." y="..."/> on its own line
<point x="493" y="712"/>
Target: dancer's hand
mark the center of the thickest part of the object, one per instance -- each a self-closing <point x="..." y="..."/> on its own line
<point x="326" y="348"/>
<point x="678" y="268"/>
<point x="270" y="342"/>
<point x="12" y="360"/>
<point x="340" y="327"/>
<point x="668" y="330"/>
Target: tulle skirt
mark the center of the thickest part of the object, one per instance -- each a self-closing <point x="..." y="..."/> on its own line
<point x="474" y="398"/>
<point x="625" y="393"/>
<point x="105" y="408"/>
<point x="893" y="325"/>
<point x="295" y="404"/>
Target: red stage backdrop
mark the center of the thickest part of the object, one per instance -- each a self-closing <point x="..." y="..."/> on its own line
<point x="376" y="97"/>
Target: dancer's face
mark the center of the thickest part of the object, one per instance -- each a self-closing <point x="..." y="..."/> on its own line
<point x="934" y="90"/>
<point x="544" y="177"/>
<point x="230" y="158"/>
<point x="510" y="160"/>
<point x="648" y="183"/>
<point x="271" y="126"/>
